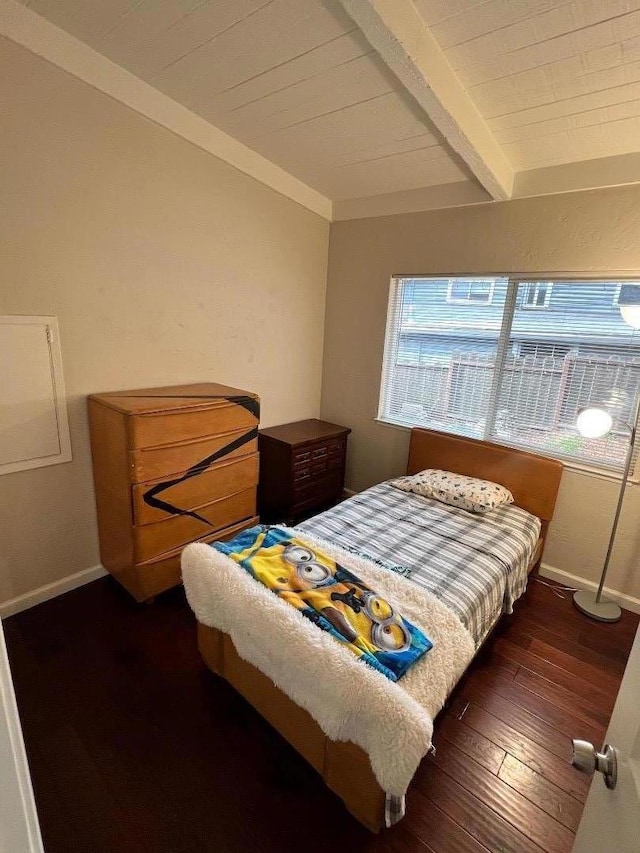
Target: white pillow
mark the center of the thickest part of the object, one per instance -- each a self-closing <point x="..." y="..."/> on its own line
<point x="456" y="490"/>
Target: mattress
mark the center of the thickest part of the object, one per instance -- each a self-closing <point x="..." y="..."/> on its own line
<point x="475" y="564"/>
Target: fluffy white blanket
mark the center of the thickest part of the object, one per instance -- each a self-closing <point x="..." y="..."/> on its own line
<point x="350" y="701"/>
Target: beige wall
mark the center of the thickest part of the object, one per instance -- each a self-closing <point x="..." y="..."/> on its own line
<point x="163" y="265"/>
<point x="580" y="232"/>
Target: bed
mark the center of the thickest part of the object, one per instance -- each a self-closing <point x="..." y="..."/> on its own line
<point x="470" y="582"/>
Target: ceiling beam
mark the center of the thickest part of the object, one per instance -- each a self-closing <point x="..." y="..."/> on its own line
<point x="457" y="194"/>
<point x="395" y="29"/>
<point x="618" y="170"/>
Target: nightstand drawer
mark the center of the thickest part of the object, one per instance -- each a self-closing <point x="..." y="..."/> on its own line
<point x="319" y="487"/>
<point x="161" y="428"/>
<point x="302" y="473"/>
<point x="152" y="540"/>
<point x="337" y="447"/>
<point x="312" y="453"/>
<point x="225" y="478"/>
<point x="148" y="463"/>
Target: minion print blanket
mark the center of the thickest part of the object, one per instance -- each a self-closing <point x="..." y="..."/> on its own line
<point x="330" y="596"/>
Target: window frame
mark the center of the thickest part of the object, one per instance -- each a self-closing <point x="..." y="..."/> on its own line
<point x="514" y="280"/>
<point x="456" y="300"/>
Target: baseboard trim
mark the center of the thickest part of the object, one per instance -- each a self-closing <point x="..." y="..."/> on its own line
<point x="50" y="590"/>
<point x="628" y="602"/>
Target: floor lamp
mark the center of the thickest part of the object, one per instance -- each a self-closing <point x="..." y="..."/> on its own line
<point x="594" y="422"/>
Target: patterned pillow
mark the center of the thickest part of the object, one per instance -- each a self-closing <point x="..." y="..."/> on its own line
<point x="456" y="490"/>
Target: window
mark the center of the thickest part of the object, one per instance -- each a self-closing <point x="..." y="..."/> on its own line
<point x="473" y="290"/>
<point x="499" y="371"/>
<point x="536" y="294"/>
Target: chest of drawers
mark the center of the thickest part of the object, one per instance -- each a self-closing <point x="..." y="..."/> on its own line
<point x="301" y="468"/>
<point x="171" y="466"/>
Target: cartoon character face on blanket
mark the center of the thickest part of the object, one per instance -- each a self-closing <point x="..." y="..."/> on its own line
<point x="353" y="611"/>
<point x="311" y="573"/>
<point x="316" y="585"/>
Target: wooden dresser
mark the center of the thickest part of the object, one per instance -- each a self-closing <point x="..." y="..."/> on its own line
<point x="301" y="468"/>
<point x="171" y="466"/>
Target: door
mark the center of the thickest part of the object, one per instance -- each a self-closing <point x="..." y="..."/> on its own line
<point x="19" y="830"/>
<point x="611" y="818"/>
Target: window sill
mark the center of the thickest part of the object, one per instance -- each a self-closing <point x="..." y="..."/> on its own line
<point x="572" y="465"/>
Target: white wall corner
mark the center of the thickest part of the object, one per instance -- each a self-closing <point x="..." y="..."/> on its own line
<point x="628" y="602"/>
<point x="24" y="27"/>
<point x="50" y="590"/>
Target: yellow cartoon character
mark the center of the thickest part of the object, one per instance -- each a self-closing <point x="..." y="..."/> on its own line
<point x="388" y="631"/>
<point x="357" y="614"/>
<point x="285" y="568"/>
<point x="316" y="585"/>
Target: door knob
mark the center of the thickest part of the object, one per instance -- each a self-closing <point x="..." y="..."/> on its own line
<point x="587" y="760"/>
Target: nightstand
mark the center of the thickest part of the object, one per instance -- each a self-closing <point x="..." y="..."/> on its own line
<point x="301" y="468"/>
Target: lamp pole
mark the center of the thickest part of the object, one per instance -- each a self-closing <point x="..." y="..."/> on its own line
<point x="588" y="603"/>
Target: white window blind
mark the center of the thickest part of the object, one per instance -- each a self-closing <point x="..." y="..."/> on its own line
<point x="498" y="370"/>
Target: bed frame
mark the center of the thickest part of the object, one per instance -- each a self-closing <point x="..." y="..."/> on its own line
<point x="533" y="480"/>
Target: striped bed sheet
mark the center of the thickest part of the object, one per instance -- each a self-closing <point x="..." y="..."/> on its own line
<point x="475" y="564"/>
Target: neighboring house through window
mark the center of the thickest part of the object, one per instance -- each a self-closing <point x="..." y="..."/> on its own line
<point x="470" y="357"/>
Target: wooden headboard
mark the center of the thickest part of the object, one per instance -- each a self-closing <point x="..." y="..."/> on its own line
<point x="532" y="480"/>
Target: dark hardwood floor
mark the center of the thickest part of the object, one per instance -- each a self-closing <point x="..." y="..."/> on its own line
<point x="135" y="746"/>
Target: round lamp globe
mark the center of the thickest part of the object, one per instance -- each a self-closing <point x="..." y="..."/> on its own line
<point x="593" y="422"/>
<point x="631" y="315"/>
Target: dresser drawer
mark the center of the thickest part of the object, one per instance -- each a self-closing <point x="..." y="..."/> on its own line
<point x="152" y="540"/>
<point x="152" y="462"/>
<point x="225" y="478"/>
<point x="154" y="576"/>
<point x="161" y="428"/>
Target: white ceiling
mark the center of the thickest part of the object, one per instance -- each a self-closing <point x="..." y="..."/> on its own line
<point x="294" y="80"/>
<point x="556" y="81"/>
<point x="419" y="101"/>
